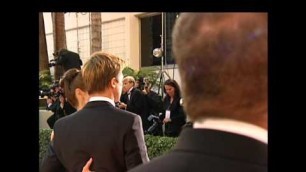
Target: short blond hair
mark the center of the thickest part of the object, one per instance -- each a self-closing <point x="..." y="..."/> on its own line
<point x="99" y="70"/>
<point x="129" y="79"/>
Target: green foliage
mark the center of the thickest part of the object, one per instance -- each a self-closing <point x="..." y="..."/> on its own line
<point x="127" y="71"/>
<point x="156" y="145"/>
<point x="148" y="73"/>
<point x="45" y="79"/>
<point x="44" y="140"/>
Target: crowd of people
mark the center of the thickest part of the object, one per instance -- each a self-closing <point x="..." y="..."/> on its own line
<point x="222" y="59"/>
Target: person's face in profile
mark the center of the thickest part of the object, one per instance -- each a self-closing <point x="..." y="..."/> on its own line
<point x="127" y="85"/>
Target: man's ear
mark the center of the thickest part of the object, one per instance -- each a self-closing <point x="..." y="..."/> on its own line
<point x="114" y="82"/>
<point x="78" y="92"/>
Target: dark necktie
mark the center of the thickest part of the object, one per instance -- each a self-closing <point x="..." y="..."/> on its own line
<point x="128" y="97"/>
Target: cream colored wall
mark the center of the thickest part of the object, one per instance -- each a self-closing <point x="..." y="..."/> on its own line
<point x="132" y="35"/>
<point x="133" y="38"/>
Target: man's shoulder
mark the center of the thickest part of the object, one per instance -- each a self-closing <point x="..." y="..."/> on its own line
<point x="156" y="164"/>
<point x="114" y="111"/>
<point x="136" y="90"/>
<point x="125" y="113"/>
<point x="63" y="121"/>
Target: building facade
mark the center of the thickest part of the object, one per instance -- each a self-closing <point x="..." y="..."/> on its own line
<point x="131" y="36"/>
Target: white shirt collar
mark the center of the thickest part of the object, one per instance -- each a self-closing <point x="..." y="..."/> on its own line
<point x="100" y="98"/>
<point x="234" y="126"/>
<point x="130" y="90"/>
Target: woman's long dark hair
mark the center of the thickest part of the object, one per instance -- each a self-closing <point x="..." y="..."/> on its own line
<point x="173" y="83"/>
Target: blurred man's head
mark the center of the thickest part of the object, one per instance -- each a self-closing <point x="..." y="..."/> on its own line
<point x="222" y="60"/>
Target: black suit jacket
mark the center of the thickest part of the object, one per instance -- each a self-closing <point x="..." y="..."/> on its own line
<point x="177" y="116"/>
<point x="211" y="151"/>
<point x="138" y="104"/>
<point x="113" y="137"/>
<point x="50" y="162"/>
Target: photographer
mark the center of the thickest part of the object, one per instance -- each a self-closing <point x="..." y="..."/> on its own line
<point x="54" y="104"/>
<point x="139" y="83"/>
<point x="58" y="105"/>
<point x="155" y="106"/>
<point x="67" y="59"/>
<point x="155" y="103"/>
<point x="155" y="128"/>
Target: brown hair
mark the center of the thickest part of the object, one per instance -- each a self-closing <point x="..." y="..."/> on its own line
<point x="222" y="59"/>
<point x="99" y="70"/>
<point x="174" y="84"/>
<point x="71" y="80"/>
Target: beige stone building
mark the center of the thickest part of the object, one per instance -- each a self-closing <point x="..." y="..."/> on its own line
<point x="132" y="36"/>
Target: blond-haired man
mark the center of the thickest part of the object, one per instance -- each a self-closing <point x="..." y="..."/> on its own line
<point x="113" y="137"/>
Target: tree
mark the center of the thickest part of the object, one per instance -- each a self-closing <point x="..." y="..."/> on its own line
<point x="96" y="37"/>
<point x="43" y="53"/>
<point x="59" y="37"/>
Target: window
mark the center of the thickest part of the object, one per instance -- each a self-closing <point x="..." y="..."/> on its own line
<point x="113" y="37"/>
<point x="78" y="41"/>
<point x="169" y="23"/>
<point x="151" y="31"/>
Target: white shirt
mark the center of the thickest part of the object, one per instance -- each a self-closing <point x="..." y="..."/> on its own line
<point x="101" y="98"/>
<point x="234" y="126"/>
<point x="129" y="93"/>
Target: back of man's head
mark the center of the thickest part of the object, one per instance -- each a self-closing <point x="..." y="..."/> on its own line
<point x="222" y="60"/>
<point x="99" y="70"/>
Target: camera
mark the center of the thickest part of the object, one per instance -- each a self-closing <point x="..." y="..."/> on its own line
<point x="52" y="62"/>
<point x="47" y="91"/>
<point x="156" y="128"/>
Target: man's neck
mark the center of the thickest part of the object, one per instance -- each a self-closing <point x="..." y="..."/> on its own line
<point x="107" y="94"/>
<point x="103" y="96"/>
<point x="234" y="126"/>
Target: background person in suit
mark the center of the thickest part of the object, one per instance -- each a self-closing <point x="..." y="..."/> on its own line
<point x="113" y="137"/>
<point x="134" y="100"/>
<point x="222" y="59"/>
